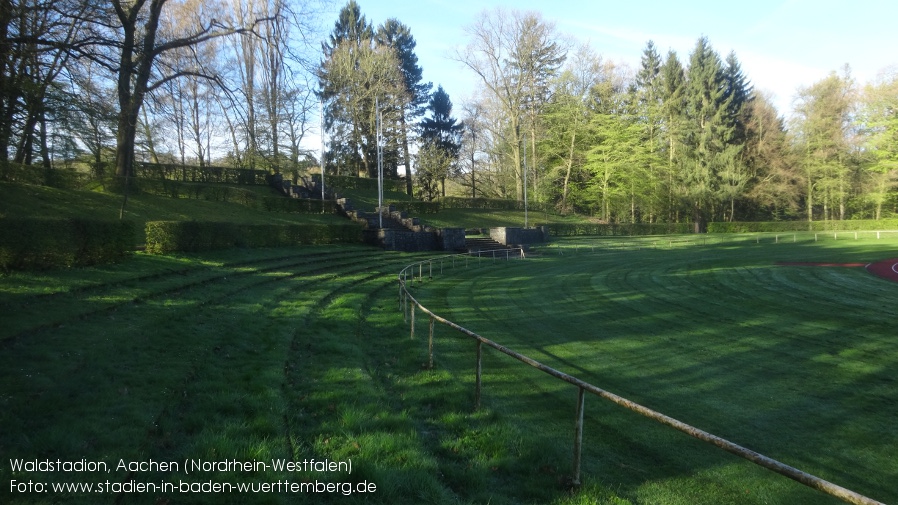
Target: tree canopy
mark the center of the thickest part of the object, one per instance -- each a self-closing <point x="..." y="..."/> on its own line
<point x="674" y="139"/>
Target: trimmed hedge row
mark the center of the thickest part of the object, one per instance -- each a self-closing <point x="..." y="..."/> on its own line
<point x="453" y="202"/>
<point x="53" y="177"/>
<point x="188" y="173"/>
<point x="222" y="193"/>
<point x="283" y="204"/>
<point x="27" y="243"/>
<point x="625" y="229"/>
<point x="211" y="191"/>
<point x="193" y="236"/>
<point x="346" y="182"/>
<point x="785" y="226"/>
<point x="616" y="230"/>
<point x="415" y="208"/>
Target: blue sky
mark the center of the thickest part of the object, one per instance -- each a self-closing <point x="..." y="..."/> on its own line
<point x="782" y="45"/>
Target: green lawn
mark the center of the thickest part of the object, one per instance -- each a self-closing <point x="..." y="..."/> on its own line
<point x="244" y="355"/>
<point x="794" y="362"/>
<point x="301" y="353"/>
<point x="25" y="200"/>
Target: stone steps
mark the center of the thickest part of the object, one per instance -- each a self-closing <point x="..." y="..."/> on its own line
<point x="474" y="244"/>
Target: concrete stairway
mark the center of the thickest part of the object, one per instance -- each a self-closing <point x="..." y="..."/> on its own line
<point x="474" y="244"/>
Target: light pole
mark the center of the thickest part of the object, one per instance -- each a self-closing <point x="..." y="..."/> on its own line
<point x="323" y="153"/>
<point x="380" y="164"/>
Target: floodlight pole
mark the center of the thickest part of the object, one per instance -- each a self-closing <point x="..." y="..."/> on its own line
<point x="525" y="186"/>
<point x="380" y="168"/>
<point x="323" y="153"/>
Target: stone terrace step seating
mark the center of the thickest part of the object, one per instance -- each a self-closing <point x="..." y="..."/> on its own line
<point x="396" y="231"/>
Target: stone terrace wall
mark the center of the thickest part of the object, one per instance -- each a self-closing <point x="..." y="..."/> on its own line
<point x="519" y="236"/>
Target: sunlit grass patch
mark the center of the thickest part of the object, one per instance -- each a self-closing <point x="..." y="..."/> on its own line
<point x="718" y="335"/>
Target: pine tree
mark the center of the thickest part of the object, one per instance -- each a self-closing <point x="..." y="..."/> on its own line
<point x="354" y="33"/>
<point x="441" y="130"/>
<point x="708" y="133"/>
<point x="648" y="101"/>
<point x="350" y="25"/>
<point x="398" y="36"/>
<point x="737" y="97"/>
<point x="673" y="107"/>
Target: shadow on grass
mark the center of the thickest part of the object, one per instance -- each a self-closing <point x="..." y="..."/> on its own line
<point x="758" y="365"/>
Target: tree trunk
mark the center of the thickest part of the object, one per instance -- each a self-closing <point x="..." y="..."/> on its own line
<point x="516" y="157"/>
<point x="8" y="92"/>
<point x="567" y="174"/>
<point x="44" y="147"/>
<point x="408" y="159"/>
<point x="697" y="218"/>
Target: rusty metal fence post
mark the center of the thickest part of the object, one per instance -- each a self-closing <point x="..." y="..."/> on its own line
<point x="478" y="375"/>
<point x="430" y="344"/>
<point x="578" y="436"/>
<point x="412" y="336"/>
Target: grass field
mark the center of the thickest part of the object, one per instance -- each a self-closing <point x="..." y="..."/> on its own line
<point x="303" y="353"/>
<point x="794" y="362"/>
<point x="300" y="353"/>
<point x="282" y="354"/>
<point x="25" y="200"/>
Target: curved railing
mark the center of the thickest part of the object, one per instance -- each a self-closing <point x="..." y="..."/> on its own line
<point x="408" y="304"/>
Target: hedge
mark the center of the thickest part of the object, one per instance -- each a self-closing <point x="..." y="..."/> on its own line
<point x="169" y="236"/>
<point x="627" y="229"/>
<point x="416" y="208"/>
<point x="189" y="173"/>
<point x="346" y="182"/>
<point x="206" y="191"/>
<point x="616" y="230"/>
<point x="53" y="177"/>
<point x="27" y="243"/>
<point x="309" y="206"/>
<point x="454" y="202"/>
<point x="787" y="226"/>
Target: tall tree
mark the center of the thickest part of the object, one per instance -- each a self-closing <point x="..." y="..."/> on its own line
<point x="673" y="108"/>
<point x="137" y="53"/>
<point x="567" y="118"/>
<point x="774" y="186"/>
<point x="649" y="104"/>
<point x="357" y="79"/>
<point x="537" y="57"/>
<point x="350" y="79"/>
<point x="441" y="130"/>
<point x="880" y="119"/>
<point x="37" y="40"/>
<point x="708" y="135"/>
<point x="823" y="122"/>
<point x="473" y="137"/>
<point x="434" y="164"/>
<point x="502" y="46"/>
<point x="737" y="97"/>
<point x="395" y="35"/>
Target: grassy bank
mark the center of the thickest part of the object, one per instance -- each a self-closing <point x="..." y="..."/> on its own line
<point x="42" y="201"/>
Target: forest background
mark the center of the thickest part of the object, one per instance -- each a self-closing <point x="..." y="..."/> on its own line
<point x="98" y="87"/>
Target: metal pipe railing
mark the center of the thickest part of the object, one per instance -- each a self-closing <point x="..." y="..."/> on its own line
<point x="805" y="478"/>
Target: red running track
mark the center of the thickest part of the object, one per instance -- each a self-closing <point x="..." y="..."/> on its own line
<point x="887" y="269"/>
